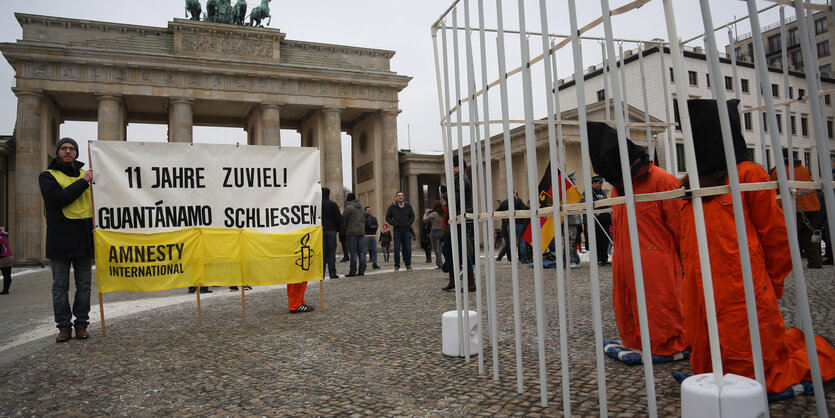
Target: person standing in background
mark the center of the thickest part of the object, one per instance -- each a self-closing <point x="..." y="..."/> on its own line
<point x="385" y="242"/>
<point x="331" y="222"/>
<point x="6" y="260"/>
<point x="435" y="218"/>
<point x="370" y="239"/>
<point x="401" y="217"/>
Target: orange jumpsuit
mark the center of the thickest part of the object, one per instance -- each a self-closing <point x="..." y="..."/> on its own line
<point x="784" y="352"/>
<point x="658" y="230"/>
<point x="295" y="295"/>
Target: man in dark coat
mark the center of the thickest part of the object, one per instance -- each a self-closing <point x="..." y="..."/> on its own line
<point x="65" y="188"/>
<point x="401" y="217"/>
<point x="331" y="221"/>
<point x="354" y="219"/>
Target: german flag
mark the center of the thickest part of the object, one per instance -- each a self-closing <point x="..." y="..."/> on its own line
<point x="572" y="195"/>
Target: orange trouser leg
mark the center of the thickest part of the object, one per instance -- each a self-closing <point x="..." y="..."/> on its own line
<point x="295" y="295"/>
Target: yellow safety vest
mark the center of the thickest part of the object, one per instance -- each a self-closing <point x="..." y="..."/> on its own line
<point x="81" y="208"/>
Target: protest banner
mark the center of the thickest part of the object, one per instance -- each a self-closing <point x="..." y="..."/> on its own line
<point x="172" y="215"/>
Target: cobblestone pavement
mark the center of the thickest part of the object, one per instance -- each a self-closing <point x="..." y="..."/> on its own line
<point x="375" y="350"/>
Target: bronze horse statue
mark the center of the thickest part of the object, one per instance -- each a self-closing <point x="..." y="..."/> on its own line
<point x="259" y="13"/>
<point x="239" y="12"/>
<point x="193" y="8"/>
<point x="211" y="11"/>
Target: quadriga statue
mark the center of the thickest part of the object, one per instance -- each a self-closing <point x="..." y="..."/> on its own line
<point x="259" y="13"/>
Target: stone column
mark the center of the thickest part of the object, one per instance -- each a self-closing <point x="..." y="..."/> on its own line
<point x="413" y="197"/>
<point x="180" y="119"/>
<point x="111" y="118"/>
<point x="391" y="162"/>
<point x="270" y="124"/>
<point x="332" y="152"/>
<point x="28" y="164"/>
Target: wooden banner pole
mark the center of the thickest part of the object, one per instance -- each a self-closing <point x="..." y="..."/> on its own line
<point x="199" y="311"/>
<point x="243" y="300"/>
<point x="101" y="311"/>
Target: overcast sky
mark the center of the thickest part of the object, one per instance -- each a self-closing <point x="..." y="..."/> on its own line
<point x="398" y="25"/>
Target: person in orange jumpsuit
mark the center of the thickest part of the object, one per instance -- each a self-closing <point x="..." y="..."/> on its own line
<point x="807" y="211"/>
<point x="784" y="351"/>
<point x="295" y="298"/>
<point x="658" y="229"/>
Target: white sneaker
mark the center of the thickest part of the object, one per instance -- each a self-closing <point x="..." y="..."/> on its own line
<point x="575" y="265"/>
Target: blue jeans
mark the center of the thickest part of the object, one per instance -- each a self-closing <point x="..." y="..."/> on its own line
<point x="355" y="243"/>
<point x="402" y="239"/>
<point x="369" y="244"/>
<point x="435" y="237"/>
<point x="61" y="287"/>
<point x="329" y="253"/>
<point x="523" y="247"/>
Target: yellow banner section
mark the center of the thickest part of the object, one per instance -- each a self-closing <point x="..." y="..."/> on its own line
<point x="206" y="257"/>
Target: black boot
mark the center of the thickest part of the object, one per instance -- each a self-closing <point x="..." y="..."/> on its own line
<point x="471" y="282"/>
<point x="451" y="285"/>
<point x="7" y="282"/>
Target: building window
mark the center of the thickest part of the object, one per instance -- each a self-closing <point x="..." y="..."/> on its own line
<point x="792" y="36"/>
<point x="765" y="123"/>
<point x="820" y="26"/>
<point x="775" y="90"/>
<point x="827" y="100"/>
<point x="729" y="83"/>
<point x="707" y="79"/>
<point x="767" y="157"/>
<point x="744" y="86"/>
<point x="775" y="62"/>
<point x="807" y="158"/>
<point x="793" y="128"/>
<point x="601" y="95"/>
<point x="779" y="123"/>
<point x="829" y="129"/>
<point x="680" y="158"/>
<point x="801" y="94"/>
<point x="751" y="154"/>
<point x="672" y="77"/>
<point x="747" y="118"/>
<point x="804" y="126"/>
<point x="825" y="70"/>
<point x="791" y="92"/>
<point x="797" y="59"/>
<point x="694" y="78"/>
<point x="774" y="43"/>
<point x="738" y="52"/>
<point x="823" y="49"/>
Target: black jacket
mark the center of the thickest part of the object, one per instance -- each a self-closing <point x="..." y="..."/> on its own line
<point x="401" y="219"/>
<point x="65" y="238"/>
<point x="371" y="225"/>
<point x="331" y="218"/>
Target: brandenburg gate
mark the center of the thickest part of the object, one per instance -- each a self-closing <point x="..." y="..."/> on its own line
<point x="198" y="73"/>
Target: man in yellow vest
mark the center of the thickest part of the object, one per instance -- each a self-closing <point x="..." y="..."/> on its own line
<point x="65" y="188"/>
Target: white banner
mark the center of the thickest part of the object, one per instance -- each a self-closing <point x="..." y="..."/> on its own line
<point x="157" y="187"/>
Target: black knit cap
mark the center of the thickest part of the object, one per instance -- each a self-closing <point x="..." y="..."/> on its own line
<point x="603" y="151"/>
<point x="707" y="134"/>
<point x="66" y="140"/>
<point x="455" y="161"/>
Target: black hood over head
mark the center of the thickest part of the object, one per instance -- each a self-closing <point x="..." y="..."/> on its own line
<point x="707" y="134"/>
<point x="603" y="151"/>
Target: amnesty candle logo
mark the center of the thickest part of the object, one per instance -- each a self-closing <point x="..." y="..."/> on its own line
<point x="305" y="253"/>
